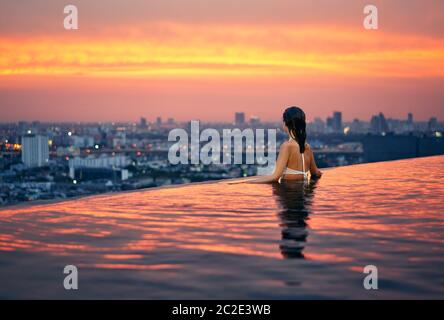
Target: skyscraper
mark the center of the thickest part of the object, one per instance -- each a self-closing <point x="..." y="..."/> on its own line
<point x="239" y="118"/>
<point x="337" y="121"/>
<point x="334" y="124"/>
<point x="378" y="124"/>
<point x="254" y="121"/>
<point x="432" y="124"/>
<point x="317" y="125"/>
<point x="143" y="124"/>
<point x="35" y="150"/>
<point x="410" y="118"/>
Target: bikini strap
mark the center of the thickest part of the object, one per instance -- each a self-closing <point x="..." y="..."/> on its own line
<point x="303" y="163"/>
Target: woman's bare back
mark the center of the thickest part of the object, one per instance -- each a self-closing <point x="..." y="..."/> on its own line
<point x="295" y="160"/>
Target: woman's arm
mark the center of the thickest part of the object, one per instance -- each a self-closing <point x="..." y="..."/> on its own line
<point x="314" y="171"/>
<point x="281" y="164"/>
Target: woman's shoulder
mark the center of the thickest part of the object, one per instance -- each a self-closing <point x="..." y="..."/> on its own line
<point x="289" y="144"/>
<point x="293" y="145"/>
<point x="285" y="145"/>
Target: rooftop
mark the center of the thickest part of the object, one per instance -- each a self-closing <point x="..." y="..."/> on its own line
<point x="222" y="240"/>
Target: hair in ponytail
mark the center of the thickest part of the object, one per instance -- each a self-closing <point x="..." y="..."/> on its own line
<point x="294" y="119"/>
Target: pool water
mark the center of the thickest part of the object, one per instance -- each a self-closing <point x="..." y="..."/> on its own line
<point x="238" y="241"/>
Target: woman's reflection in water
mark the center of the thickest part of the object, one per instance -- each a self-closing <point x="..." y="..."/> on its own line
<point x="295" y="201"/>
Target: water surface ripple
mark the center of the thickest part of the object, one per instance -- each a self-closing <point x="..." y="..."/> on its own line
<point x="221" y="240"/>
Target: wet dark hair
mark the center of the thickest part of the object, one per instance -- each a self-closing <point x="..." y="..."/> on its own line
<point x="294" y="119"/>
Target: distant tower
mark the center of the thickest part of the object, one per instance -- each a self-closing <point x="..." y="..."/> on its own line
<point x="239" y="118"/>
<point x="433" y="124"/>
<point x="159" y="121"/>
<point x="318" y="125"/>
<point x="329" y="122"/>
<point x="35" y="150"/>
<point x="375" y="124"/>
<point x="254" y="121"/>
<point x="143" y="124"/>
<point x="378" y="124"/>
<point x="337" y="121"/>
<point x="23" y="127"/>
<point x="384" y="125"/>
<point x="410" y="118"/>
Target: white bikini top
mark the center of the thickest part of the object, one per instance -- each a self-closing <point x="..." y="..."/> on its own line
<point x="303" y="172"/>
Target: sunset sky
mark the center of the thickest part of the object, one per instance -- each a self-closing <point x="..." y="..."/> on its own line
<point x="201" y="59"/>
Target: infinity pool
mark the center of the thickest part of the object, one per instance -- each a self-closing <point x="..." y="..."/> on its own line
<point x="238" y="241"/>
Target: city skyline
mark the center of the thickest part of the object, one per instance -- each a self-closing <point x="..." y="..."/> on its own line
<point x="247" y="118"/>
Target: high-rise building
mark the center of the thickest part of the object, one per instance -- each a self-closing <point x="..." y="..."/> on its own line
<point x="159" y="121"/>
<point x="357" y="126"/>
<point x="378" y="124"/>
<point x="329" y="122"/>
<point x="23" y="127"/>
<point x="254" y="121"/>
<point x="334" y="124"/>
<point x="317" y="125"/>
<point x="433" y="124"/>
<point x="143" y="124"/>
<point x="337" y="121"/>
<point x="239" y="118"/>
<point x="35" y="128"/>
<point x="410" y="118"/>
<point x="35" y="150"/>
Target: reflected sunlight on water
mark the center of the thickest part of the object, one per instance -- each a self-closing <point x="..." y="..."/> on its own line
<point x="221" y="240"/>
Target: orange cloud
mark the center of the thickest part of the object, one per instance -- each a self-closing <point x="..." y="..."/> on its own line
<point x="166" y="49"/>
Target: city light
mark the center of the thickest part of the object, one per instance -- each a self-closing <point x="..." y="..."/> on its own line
<point x="139" y="158"/>
<point x="13" y="146"/>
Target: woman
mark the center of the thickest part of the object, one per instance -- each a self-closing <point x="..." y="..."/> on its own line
<point x="295" y="160"/>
